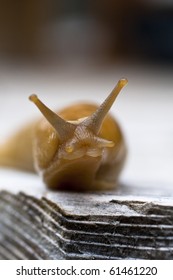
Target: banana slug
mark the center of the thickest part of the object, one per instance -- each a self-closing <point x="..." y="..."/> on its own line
<point x="80" y="148"/>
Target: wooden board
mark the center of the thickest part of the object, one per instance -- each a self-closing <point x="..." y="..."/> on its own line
<point x="129" y="223"/>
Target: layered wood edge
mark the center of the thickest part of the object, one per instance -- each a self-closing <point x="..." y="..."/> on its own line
<point x="42" y="228"/>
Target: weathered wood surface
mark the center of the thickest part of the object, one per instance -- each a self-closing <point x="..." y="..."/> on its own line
<point x="113" y="225"/>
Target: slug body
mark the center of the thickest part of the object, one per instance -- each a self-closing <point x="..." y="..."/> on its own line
<point x="78" y="148"/>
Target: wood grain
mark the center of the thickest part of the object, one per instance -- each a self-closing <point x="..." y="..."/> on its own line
<point x="60" y="225"/>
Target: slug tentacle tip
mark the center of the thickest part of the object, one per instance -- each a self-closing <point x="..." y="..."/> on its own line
<point x="122" y="82"/>
<point x="33" y="98"/>
<point x="103" y="143"/>
<point x="69" y="149"/>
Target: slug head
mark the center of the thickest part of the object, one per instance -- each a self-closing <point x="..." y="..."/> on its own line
<point x="83" y="142"/>
<point x="80" y="148"/>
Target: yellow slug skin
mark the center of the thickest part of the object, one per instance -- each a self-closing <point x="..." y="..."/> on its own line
<point x="80" y="174"/>
<point x="17" y="151"/>
<point x="113" y="158"/>
<point x="79" y="148"/>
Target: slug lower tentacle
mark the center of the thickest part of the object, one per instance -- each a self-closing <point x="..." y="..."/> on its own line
<point x="79" y="148"/>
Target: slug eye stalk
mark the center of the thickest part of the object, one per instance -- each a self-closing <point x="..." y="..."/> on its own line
<point x="62" y="127"/>
<point x="95" y="121"/>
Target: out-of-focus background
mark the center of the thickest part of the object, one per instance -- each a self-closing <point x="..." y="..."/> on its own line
<point x="69" y="51"/>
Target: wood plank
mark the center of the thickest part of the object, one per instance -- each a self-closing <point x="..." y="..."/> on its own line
<point x="124" y="224"/>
